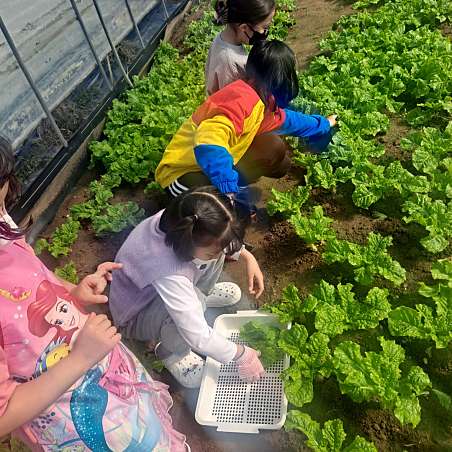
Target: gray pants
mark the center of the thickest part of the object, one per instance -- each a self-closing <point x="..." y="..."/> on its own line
<point x="154" y="324"/>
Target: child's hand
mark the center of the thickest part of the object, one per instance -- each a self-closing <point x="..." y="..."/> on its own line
<point x="249" y="365"/>
<point x="90" y="289"/>
<point x="255" y="276"/>
<point x="332" y="119"/>
<point x="95" y="340"/>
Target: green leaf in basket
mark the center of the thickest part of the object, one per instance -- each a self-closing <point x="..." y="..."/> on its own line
<point x="264" y="338"/>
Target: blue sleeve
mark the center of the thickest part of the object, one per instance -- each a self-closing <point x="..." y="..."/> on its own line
<point x="217" y="164"/>
<point x="300" y="125"/>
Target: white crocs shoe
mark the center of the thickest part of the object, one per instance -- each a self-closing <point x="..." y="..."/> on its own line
<point x="224" y="294"/>
<point x="187" y="371"/>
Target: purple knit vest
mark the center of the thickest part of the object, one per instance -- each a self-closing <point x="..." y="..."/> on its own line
<point x="145" y="258"/>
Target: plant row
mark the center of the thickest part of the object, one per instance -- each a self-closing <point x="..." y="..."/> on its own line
<point x="392" y="62"/>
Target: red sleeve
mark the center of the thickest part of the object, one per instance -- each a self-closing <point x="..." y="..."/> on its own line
<point x="273" y="120"/>
<point x="7" y="384"/>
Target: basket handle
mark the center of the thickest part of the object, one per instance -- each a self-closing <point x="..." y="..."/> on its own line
<point x="236" y="428"/>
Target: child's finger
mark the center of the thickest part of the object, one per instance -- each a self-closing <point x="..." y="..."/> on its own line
<point x="251" y="284"/>
<point x="108" y="267"/>
<point x="111" y="332"/>
<point x="96" y="319"/>
<point x="116" y="338"/>
<point x="259" y="292"/>
<point x="97" y="299"/>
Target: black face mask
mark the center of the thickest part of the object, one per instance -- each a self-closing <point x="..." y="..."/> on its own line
<point x="257" y="36"/>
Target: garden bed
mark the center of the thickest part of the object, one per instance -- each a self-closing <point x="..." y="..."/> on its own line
<point x="285" y="259"/>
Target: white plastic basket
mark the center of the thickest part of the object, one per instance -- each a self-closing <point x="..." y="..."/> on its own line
<point x="230" y="404"/>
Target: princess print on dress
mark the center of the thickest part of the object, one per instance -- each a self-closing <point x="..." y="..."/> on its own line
<point x="112" y="380"/>
<point x="55" y="308"/>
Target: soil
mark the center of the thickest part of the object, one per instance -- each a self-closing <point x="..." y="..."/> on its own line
<point x="284" y="258"/>
<point x="178" y="35"/>
<point x="315" y="19"/>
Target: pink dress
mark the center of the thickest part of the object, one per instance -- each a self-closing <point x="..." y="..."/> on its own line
<point x="115" y="406"/>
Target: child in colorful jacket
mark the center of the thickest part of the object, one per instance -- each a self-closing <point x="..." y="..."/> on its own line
<point x="67" y="383"/>
<point x="213" y="145"/>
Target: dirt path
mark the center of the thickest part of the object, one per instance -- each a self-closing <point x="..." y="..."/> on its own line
<point x="314" y="20"/>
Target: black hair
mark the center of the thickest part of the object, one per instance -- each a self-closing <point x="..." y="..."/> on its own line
<point x="199" y="218"/>
<point x="243" y="11"/>
<point x="271" y="70"/>
<point x="7" y="174"/>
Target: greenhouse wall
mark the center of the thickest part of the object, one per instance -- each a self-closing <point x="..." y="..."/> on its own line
<point x="55" y="51"/>
<point x="64" y="71"/>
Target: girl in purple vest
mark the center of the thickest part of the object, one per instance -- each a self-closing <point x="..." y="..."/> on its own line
<point x="67" y="383"/>
<point x="171" y="265"/>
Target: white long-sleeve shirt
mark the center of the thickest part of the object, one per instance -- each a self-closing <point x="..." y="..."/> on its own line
<point x="187" y="312"/>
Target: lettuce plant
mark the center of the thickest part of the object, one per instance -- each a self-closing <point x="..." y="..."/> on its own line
<point x="310" y="358"/>
<point x="327" y="438"/>
<point x="337" y="309"/>
<point x="425" y="322"/>
<point x="369" y="261"/>
<point x="377" y="376"/>
<point x="313" y="229"/>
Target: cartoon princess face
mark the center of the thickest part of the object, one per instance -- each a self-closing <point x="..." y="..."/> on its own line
<point x="55" y="308"/>
<point x="64" y="315"/>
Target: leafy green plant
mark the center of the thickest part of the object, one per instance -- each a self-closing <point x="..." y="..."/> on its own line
<point x="374" y="182"/>
<point x="68" y="272"/>
<point x="118" y="217"/>
<point x="319" y="171"/>
<point x="290" y="308"/>
<point x="62" y="239"/>
<point x="311" y="358"/>
<point x="313" y="229"/>
<point x="367" y="70"/>
<point x="288" y="203"/>
<point x="445" y="400"/>
<point x="368" y="260"/>
<point x="377" y="376"/>
<point x="329" y="438"/>
<point x="264" y="338"/>
<point x="153" y="187"/>
<point x="424" y="322"/>
<point x="337" y="310"/>
<point x="435" y="216"/>
<point x="430" y="147"/>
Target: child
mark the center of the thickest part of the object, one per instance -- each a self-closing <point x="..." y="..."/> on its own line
<point x="214" y="145"/>
<point x="66" y="381"/>
<point x="247" y="21"/>
<point x="171" y="265"/>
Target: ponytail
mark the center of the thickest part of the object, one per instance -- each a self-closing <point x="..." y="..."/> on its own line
<point x="242" y="11"/>
<point x="221" y="12"/>
<point x="180" y="236"/>
<point x="200" y="218"/>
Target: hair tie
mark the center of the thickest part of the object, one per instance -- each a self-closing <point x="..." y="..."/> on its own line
<point x="221" y="13"/>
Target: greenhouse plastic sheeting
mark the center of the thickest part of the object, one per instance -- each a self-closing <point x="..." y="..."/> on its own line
<point x="55" y="51"/>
